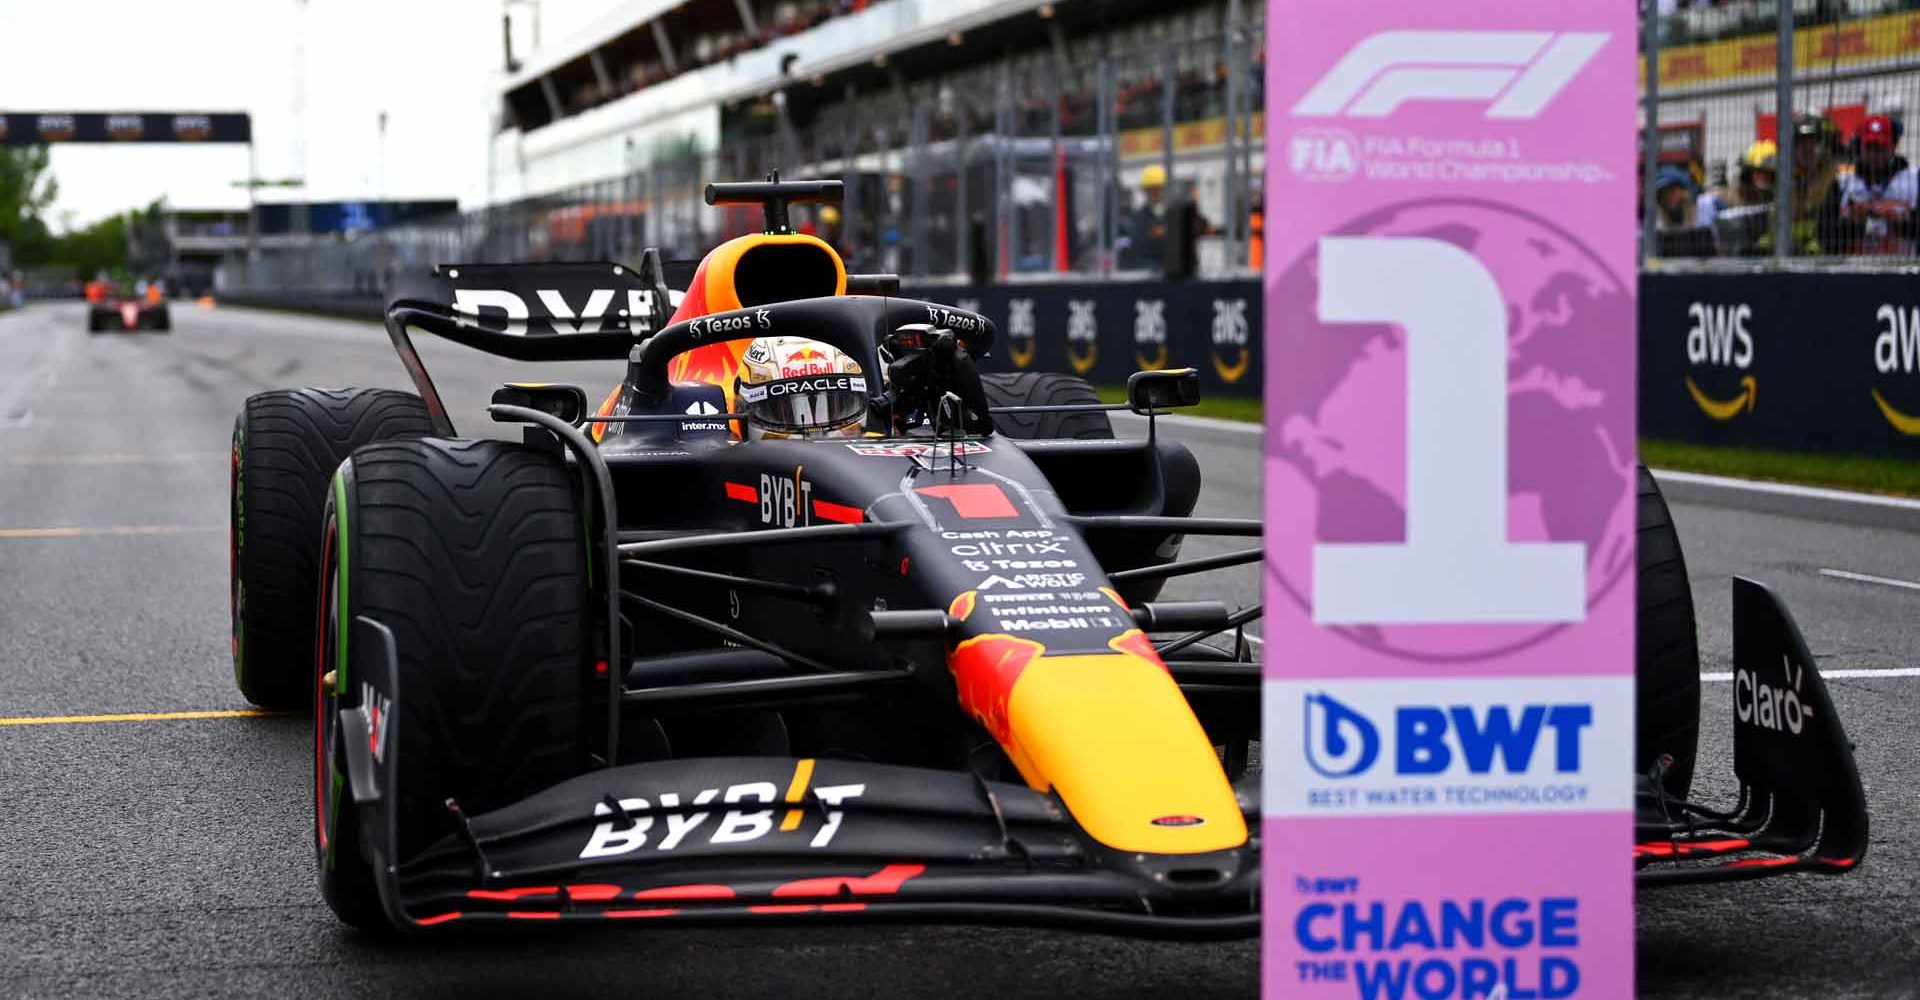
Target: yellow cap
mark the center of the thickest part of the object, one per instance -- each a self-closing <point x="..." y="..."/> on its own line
<point x="1153" y="177"/>
<point x="829" y="215"/>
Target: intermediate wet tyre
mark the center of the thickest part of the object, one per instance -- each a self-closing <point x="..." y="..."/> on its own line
<point x="286" y="445"/>
<point x="1045" y="389"/>
<point x="473" y="555"/>
<point x="1667" y="647"/>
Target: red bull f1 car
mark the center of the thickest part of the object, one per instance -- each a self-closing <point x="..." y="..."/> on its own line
<point x="639" y="667"/>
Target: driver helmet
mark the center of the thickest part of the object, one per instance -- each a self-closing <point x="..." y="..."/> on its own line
<point x="792" y="387"/>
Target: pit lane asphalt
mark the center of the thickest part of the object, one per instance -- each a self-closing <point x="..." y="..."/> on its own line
<point x="172" y="857"/>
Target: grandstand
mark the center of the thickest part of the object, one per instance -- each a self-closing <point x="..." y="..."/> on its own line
<point x="1012" y="130"/>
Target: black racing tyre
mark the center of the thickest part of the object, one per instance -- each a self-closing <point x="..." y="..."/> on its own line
<point x="94" y="325"/>
<point x="1667" y="649"/>
<point x="1044" y="389"/>
<point x="286" y="444"/>
<point x="474" y="555"/>
<point x="163" y="321"/>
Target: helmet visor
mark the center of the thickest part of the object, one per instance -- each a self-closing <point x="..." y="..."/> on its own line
<point x="811" y="403"/>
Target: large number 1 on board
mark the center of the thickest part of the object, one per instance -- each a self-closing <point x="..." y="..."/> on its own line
<point x="1456" y="565"/>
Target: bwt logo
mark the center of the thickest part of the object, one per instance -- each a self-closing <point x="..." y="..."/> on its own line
<point x="1433" y="739"/>
<point x="1517" y="72"/>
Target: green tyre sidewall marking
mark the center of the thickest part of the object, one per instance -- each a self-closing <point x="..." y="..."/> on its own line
<point x="340" y="619"/>
<point x="340" y="615"/>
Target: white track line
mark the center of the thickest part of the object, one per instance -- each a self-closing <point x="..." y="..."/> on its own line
<point x="1885" y="581"/>
<point x="1831" y="674"/>
<point x="1788" y="489"/>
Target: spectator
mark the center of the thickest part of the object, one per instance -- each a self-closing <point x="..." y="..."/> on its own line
<point x="1879" y="196"/>
<point x="1742" y="218"/>
<point x="1676" y="198"/>
<point x="1146" y="235"/>
<point x="1714" y="198"/>
<point x="1758" y="167"/>
<point x="1818" y="225"/>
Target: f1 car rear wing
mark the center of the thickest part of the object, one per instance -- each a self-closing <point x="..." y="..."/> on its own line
<point x="539" y="312"/>
<point x="1801" y="806"/>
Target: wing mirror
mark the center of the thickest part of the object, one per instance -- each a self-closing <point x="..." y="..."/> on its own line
<point x="568" y="402"/>
<point x="1148" y="392"/>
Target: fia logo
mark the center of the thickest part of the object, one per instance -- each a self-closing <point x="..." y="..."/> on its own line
<point x="1323" y="154"/>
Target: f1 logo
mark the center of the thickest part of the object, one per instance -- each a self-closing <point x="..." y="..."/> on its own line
<point x="1519" y="72"/>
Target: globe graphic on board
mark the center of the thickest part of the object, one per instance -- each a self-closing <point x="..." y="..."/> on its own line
<point x="1338" y="447"/>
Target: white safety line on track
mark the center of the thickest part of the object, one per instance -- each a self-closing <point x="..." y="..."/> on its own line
<point x="1788" y="489"/>
<point x="1867" y="672"/>
<point x="1885" y="581"/>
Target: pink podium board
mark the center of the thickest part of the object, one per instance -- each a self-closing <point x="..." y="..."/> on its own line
<point x="1449" y="474"/>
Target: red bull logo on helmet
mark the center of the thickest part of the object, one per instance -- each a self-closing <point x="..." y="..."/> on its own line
<point x="804" y="360"/>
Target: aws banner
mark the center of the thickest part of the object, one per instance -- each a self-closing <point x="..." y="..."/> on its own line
<point x="1805" y="362"/>
<point x="1106" y="331"/>
<point x="1450" y="494"/>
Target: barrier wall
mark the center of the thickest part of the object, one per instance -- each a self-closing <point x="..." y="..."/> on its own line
<point x="1799" y="361"/>
<point x="1106" y="331"/>
<point x="1805" y="362"/>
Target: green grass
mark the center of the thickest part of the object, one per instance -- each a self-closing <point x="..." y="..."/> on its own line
<point x="1893" y="476"/>
<point x="1221" y="407"/>
<point x="1899" y="477"/>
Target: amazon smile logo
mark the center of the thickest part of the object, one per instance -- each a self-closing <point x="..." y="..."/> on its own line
<point x="1083" y="335"/>
<point x="1718" y="338"/>
<point x="1725" y="409"/>
<point x="1896" y="353"/>
<point x="1021" y="342"/>
<point x="1150" y="333"/>
<point x="1231" y="355"/>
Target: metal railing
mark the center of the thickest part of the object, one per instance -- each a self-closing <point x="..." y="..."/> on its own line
<point x="1724" y="186"/>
